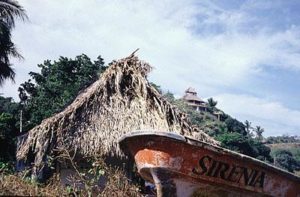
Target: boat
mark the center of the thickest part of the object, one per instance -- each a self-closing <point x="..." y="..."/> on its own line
<point x="182" y="166"/>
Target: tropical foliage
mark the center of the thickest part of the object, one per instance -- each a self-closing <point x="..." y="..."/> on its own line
<point x="284" y="159"/>
<point x="8" y="128"/>
<point x="282" y="139"/>
<point x="211" y="104"/>
<point x="56" y="85"/>
<point x="9" y="11"/>
<point x="286" y="155"/>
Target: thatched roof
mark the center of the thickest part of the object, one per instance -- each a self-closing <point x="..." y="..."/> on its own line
<point x="190" y="90"/>
<point x="121" y="101"/>
<point x="191" y="95"/>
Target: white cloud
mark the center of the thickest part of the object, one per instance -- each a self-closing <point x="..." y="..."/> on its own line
<point x="273" y="116"/>
<point x="163" y="32"/>
<point x="189" y="43"/>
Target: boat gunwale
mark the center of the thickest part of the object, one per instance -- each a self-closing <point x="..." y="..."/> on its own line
<point x="217" y="149"/>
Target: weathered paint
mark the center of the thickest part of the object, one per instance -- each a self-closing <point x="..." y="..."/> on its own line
<point x="182" y="166"/>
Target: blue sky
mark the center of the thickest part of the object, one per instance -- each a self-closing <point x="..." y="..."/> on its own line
<point x="245" y="54"/>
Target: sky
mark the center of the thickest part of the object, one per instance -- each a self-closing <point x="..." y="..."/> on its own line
<point x="244" y="54"/>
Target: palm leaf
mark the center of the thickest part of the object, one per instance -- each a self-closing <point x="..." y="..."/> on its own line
<point x="9" y="10"/>
<point x="6" y="72"/>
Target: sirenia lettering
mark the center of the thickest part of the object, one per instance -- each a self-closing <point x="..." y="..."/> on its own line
<point x="237" y="174"/>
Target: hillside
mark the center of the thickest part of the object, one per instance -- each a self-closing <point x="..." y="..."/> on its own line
<point x="232" y="133"/>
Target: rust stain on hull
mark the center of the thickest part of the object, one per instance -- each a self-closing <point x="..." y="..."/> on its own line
<point x="182" y="166"/>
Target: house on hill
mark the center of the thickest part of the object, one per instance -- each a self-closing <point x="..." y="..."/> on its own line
<point x="193" y="100"/>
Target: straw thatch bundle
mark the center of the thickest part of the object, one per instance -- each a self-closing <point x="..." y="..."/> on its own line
<point x="121" y="101"/>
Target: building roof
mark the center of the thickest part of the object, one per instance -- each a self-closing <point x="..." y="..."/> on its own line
<point x="191" y="90"/>
<point x="191" y="95"/>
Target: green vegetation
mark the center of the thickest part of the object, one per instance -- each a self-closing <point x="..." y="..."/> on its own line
<point x="9" y="11"/>
<point x="286" y="152"/>
<point x="9" y="112"/>
<point x="285" y="159"/>
<point x="286" y="155"/>
<point x="282" y="139"/>
<point x="57" y="84"/>
<point x="211" y="104"/>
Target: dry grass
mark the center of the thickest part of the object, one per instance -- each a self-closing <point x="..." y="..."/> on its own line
<point x="13" y="185"/>
<point x="284" y="145"/>
<point x="114" y="182"/>
<point x="117" y="185"/>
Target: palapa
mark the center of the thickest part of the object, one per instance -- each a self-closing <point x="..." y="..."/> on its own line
<point x="121" y="101"/>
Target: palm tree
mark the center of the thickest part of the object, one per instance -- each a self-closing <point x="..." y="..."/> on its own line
<point x="248" y="127"/>
<point x="9" y="10"/>
<point x="212" y="103"/>
<point x="259" y="130"/>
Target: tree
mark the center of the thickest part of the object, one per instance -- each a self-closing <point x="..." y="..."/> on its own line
<point x="57" y="84"/>
<point x="9" y="10"/>
<point x="259" y="150"/>
<point x="259" y="131"/>
<point x="246" y="145"/>
<point x="9" y="111"/>
<point x="282" y="139"/>
<point x="234" y="125"/>
<point x="212" y="103"/>
<point x="285" y="160"/>
<point x="7" y="105"/>
<point x="248" y="128"/>
<point x="234" y="141"/>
